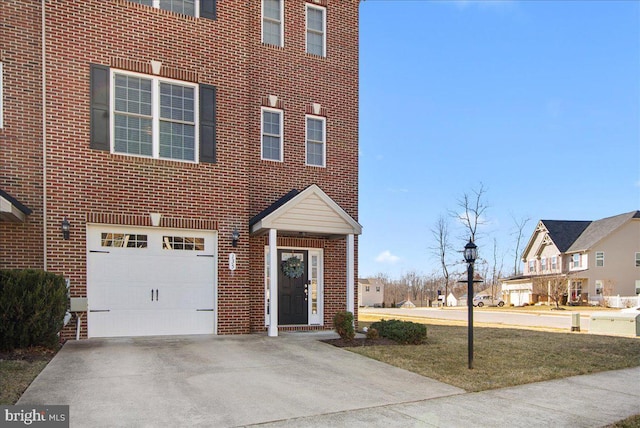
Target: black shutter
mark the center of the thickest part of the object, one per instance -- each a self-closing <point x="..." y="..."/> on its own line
<point x="207" y="123"/>
<point x="208" y="9"/>
<point x="99" y="82"/>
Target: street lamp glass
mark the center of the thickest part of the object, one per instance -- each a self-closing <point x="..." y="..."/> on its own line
<point x="470" y="252"/>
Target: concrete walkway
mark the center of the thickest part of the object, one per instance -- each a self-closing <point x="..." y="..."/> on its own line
<point x="296" y="381"/>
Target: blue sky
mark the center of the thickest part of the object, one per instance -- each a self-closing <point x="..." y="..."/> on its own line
<point x="537" y="100"/>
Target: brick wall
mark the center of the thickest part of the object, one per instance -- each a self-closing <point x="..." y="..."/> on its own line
<point x="21" y="244"/>
<point x="84" y="183"/>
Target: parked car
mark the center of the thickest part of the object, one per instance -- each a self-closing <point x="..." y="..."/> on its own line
<point x="485" y="300"/>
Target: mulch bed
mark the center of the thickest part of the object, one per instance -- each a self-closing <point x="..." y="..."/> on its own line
<point x="36" y="353"/>
<point x="360" y="341"/>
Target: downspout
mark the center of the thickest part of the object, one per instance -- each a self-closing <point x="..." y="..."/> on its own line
<point x="44" y="136"/>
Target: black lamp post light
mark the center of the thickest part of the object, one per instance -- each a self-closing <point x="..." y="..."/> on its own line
<point x="470" y="256"/>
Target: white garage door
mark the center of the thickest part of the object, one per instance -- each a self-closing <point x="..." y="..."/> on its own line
<point x="520" y="297"/>
<point x="150" y="281"/>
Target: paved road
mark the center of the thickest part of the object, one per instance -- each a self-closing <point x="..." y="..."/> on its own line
<point x="557" y="320"/>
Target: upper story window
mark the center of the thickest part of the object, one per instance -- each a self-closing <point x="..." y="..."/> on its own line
<point x="1" y="97"/>
<point x="142" y="115"/>
<point x="272" y="22"/>
<point x="316" y="147"/>
<point x="637" y="259"/>
<point x="532" y="266"/>
<point x="575" y="261"/>
<point x="367" y="288"/>
<point x="554" y="262"/>
<point x="316" y="30"/>
<point x="377" y="288"/>
<point x="543" y="263"/>
<point x="599" y="258"/>
<point x="154" y="117"/>
<point x="195" y="8"/>
<point x="271" y="134"/>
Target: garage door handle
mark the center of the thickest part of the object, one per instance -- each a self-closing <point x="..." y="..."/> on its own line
<point x="99" y="310"/>
<point x="156" y="294"/>
<point x="204" y="255"/>
<point x="204" y="310"/>
<point x="99" y="251"/>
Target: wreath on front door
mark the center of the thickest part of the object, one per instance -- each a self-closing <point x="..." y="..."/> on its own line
<point x="293" y="267"/>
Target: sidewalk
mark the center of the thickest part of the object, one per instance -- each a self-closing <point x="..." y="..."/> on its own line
<point x="595" y="400"/>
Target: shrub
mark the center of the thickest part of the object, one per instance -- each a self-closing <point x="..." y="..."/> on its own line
<point x="343" y="323"/>
<point x="32" y="308"/>
<point x="372" y="334"/>
<point x="405" y="332"/>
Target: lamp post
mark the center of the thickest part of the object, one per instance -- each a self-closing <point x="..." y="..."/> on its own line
<point x="470" y="255"/>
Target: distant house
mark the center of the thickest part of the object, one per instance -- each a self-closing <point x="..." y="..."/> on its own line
<point x="370" y="292"/>
<point x="598" y="259"/>
<point x="453" y="299"/>
<point x="406" y="304"/>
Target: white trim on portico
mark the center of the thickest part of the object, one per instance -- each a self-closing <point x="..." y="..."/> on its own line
<point x="310" y="212"/>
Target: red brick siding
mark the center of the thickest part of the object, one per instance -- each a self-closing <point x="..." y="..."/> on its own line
<point x="21" y="244"/>
<point x="226" y="53"/>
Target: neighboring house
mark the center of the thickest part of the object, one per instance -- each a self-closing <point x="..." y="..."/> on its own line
<point x="453" y="299"/>
<point x="406" y="304"/>
<point x="596" y="258"/>
<point x="196" y="167"/>
<point x="370" y="292"/>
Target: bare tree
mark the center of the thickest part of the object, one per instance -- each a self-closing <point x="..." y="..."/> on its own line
<point x="473" y="207"/>
<point x="520" y="225"/>
<point x="440" y="233"/>
<point x="555" y="286"/>
<point x="496" y="272"/>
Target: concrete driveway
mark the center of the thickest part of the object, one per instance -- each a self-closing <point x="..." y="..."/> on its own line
<point x="219" y="381"/>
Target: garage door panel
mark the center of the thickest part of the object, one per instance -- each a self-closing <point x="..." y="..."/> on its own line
<point x="150" y="291"/>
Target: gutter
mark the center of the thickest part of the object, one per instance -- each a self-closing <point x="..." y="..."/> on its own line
<point x="44" y="135"/>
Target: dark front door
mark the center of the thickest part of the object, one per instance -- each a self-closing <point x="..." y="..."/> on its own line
<point x="292" y="287"/>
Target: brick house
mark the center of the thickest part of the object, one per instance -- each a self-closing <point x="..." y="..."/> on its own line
<point x="202" y="154"/>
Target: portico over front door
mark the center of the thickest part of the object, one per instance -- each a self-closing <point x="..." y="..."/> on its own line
<point x="293" y="287"/>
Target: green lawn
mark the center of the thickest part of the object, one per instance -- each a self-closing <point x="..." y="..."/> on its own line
<point x="507" y="357"/>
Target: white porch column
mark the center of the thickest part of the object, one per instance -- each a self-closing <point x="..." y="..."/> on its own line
<point x="273" y="282"/>
<point x="351" y="266"/>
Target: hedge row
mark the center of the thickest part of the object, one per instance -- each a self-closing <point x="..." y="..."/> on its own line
<point x="405" y="332"/>
<point x="32" y="308"/>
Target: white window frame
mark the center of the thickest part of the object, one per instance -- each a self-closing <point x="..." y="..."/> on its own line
<point x="281" y="22"/>
<point x="155" y="114"/>
<point x="600" y="258"/>
<point x="575" y="260"/>
<point x="272" y="110"/>
<point x="532" y="266"/>
<point x="599" y="287"/>
<point x="324" y="141"/>
<point x="554" y="262"/>
<point x="196" y="6"/>
<point x="324" y="29"/>
<point x="1" y="99"/>
<point x="543" y="264"/>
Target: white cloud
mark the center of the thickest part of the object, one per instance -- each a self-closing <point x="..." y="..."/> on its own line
<point x="485" y="4"/>
<point x="387" y="257"/>
<point x="397" y="190"/>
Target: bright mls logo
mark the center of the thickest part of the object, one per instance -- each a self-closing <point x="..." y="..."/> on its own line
<point x="36" y="416"/>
